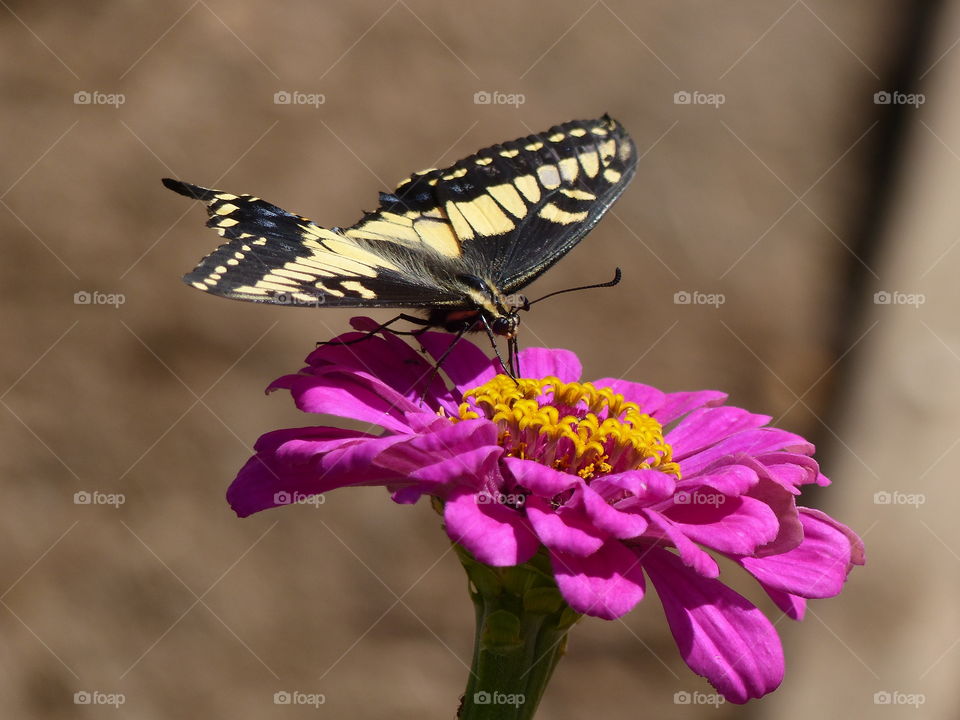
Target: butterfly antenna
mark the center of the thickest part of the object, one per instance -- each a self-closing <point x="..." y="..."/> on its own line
<point x="610" y="283"/>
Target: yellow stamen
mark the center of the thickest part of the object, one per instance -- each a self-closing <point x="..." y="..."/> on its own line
<point x="573" y="427"/>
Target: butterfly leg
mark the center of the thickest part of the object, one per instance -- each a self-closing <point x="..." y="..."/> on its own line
<point x="493" y="342"/>
<point x="439" y="363"/>
<point x="402" y="316"/>
<point x="513" y="353"/>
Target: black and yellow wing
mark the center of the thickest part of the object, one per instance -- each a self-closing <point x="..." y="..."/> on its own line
<point x="518" y="207"/>
<point x="275" y="256"/>
<point x="504" y="215"/>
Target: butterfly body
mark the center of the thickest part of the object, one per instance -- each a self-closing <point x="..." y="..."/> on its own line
<point x="457" y="243"/>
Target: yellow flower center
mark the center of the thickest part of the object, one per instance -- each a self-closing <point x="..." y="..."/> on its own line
<point x="572" y="427"/>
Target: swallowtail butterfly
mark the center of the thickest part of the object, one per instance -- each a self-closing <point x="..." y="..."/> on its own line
<point x="457" y="243"/>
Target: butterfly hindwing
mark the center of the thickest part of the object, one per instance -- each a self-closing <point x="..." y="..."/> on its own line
<point x="274" y="256"/>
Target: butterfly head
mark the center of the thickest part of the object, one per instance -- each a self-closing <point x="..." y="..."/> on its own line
<point x="485" y="307"/>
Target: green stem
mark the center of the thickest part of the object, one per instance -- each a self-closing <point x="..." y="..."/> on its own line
<point x="522" y="624"/>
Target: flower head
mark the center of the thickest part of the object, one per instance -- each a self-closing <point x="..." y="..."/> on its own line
<point x="618" y="481"/>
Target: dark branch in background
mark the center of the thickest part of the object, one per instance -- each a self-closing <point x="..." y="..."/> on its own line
<point x="913" y="32"/>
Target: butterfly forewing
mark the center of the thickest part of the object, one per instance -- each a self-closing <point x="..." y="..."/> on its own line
<point x="504" y="215"/>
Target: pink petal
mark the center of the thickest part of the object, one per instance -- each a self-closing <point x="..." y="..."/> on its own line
<point x="466" y="365"/>
<point x="857" y="551"/>
<point x="475" y="469"/>
<point x="647" y="398"/>
<point x="566" y="530"/>
<point x="792" y="606"/>
<point x="305" y="465"/>
<point x="643" y="488"/>
<point x="691" y="554"/>
<point x="446" y="455"/>
<point x="493" y="533"/>
<point x="735" y="525"/>
<point x="733" y="479"/>
<point x="387" y="358"/>
<point x="622" y="525"/>
<point x="352" y="395"/>
<point x="751" y="442"/>
<point x="706" y="426"/>
<point x="542" y="362"/>
<point x="540" y="479"/>
<point x="676" y="405"/>
<point x="817" y="568"/>
<point x="607" y="584"/>
<point x="783" y="504"/>
<point x="721" y="635"/>
<point x="790" y="468"/>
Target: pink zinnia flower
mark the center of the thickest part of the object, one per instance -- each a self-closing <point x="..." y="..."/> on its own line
<point x="616" y="479"/>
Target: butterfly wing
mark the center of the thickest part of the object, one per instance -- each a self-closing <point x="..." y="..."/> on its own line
<point x="274" y="256"/>
<point x="594" y="169"/>
<point x="518" y="207"/>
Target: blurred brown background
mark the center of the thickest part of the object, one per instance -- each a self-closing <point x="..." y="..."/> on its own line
<point x="797" y="195"/>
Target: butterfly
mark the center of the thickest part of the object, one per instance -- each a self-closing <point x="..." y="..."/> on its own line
<point x="457" y="243"/>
